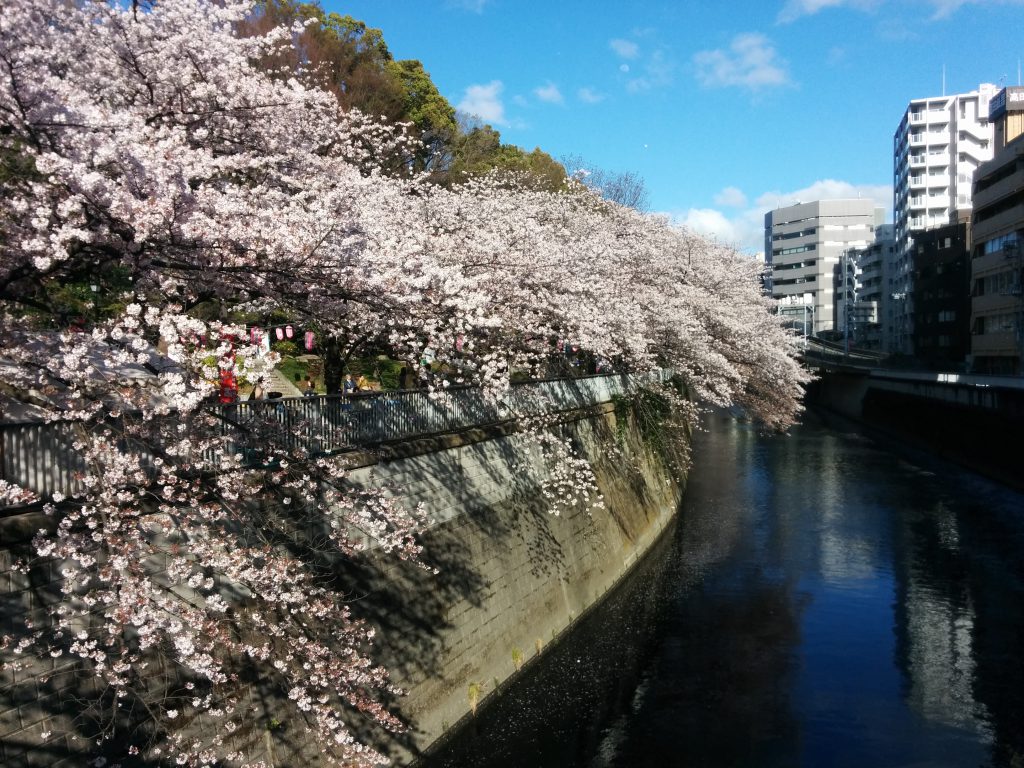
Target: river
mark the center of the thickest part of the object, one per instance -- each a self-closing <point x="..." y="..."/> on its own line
<point x="820" y="601"/>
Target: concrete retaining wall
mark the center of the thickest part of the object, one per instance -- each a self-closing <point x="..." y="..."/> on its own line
<point x="513" y="577"/>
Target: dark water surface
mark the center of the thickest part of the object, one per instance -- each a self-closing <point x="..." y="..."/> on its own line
<point x="820" y="602"/>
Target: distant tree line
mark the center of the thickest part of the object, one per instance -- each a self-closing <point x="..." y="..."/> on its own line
<point x="350" y="59"/>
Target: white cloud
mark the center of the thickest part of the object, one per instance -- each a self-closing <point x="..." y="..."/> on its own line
<point x="713" y="223"/>
<point x="743" y="227"/>
<point x="625" y="49"/>
<point x="549" y="93"/>
<point x="484" y="102"/>
<point x="731" y="197"/>
<point x="828" y="189"/>
<point x="589" y="96"/>
<point x="751" y="62"/>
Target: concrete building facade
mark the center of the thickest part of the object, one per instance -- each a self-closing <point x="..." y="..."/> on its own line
<point x="940" y="142"/>
<point x="997" y="263"/>
<point x="872" y="302"/>
<point x="804" y="245"/>
<point x="942" y="296"/>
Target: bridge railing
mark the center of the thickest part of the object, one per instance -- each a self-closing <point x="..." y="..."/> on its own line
<point x="42" y="458"/>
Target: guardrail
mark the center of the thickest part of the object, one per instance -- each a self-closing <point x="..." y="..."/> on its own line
<point x="825" y="352"/>
<point x="41" y="457"/>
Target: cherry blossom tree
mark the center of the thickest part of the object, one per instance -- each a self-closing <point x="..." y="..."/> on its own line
<point x="146" y="152"/>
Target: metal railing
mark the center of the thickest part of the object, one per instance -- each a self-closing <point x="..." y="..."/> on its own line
<point x="41" y="457"/>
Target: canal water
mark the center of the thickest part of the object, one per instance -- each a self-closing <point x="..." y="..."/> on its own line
<point x="820" y="601"/>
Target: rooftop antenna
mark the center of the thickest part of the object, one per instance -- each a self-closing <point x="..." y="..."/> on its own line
<point x="1018" y="71"/>
<point x="943" y="79"/>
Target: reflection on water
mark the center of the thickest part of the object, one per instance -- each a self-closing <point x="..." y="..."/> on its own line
<point x="819" y="602"/>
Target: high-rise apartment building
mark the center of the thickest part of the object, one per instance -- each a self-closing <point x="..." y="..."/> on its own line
<point x="804" y="245"/>
<point x="939" y="143"/>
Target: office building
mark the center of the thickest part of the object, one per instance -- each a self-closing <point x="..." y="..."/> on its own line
<point x="804" y="245"/>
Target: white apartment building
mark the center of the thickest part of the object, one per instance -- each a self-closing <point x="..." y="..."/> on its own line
<point x="804" y="245"/>
<point x="939" y="143"/>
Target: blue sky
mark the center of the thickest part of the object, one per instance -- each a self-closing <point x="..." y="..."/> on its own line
<point x="725" y="109"/>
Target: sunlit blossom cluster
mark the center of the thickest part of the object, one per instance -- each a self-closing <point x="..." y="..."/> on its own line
<point x="153" y="146"/>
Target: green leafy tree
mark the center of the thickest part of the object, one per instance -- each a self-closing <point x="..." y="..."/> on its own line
<point x="478" y="150"/>
<point x="430" y="112"/>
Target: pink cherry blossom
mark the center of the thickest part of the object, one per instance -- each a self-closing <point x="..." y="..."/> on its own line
<point x="193" y="186"/>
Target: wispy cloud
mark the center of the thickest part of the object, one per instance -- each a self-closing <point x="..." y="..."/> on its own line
<point x="484" y="101"/>
<point x="658" y="71"/>
<point x="743" y="225"/>
<point x="794" y="9"/>
<point x="589" y="96"/>
<point x="549" y="93"/>
<point x="895" y="30"/>
<point x="750" y="62"/>
<point x="946" y="8"/>
<point x="940" y="9"/>
<point x="836" y="55"/>
<point x="474" y="6"/>
<point x="625" y="49"/>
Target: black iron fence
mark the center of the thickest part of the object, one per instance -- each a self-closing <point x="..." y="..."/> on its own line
<point x="42" y="457"/>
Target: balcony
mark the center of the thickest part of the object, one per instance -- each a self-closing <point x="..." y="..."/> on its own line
<point x="975" y="131"/>
<point x="992" y="263"/>
<point x="918" y="182"/>
<point x="976" y="153"/>
<point x="995" y="304"/>
<point x="1002" y="343"/>
<point x="1005" y="221"/>
<point x="918" y="161"/>
<point x="999" y="190"/>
